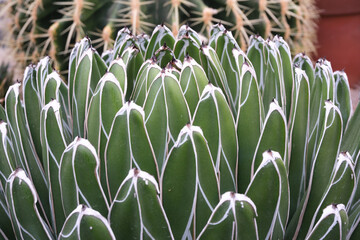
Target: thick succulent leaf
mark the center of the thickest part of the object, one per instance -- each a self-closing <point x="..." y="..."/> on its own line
<point x="354" y="220"/>
<point x="7" y="158"/>
<point x="273" y="136"/>
<point x="53" y="144"/>
<point x="25" y="153"/>
<point x="166" y="112"/>
<point x="6" y="229"/>
<point x="350" y="141"/>
<point x="187" y="30"/>
<point x="118" y="68"/>
<point x="341" y="186"/>
<point x="269" y="190"/>
<point x="224" y="44"/>
<point x="342" y="97"/>
<point x="304" y="62"/>
<point x="192" y="81"/>
<point x="248" y="120"/>
<point x="88" y="73"/>
<point x="186" y="45"/>
<point x="79" y="178"/>
<point x="86" y="223"/>
<point x="136" y="211"/>
<point x="122" y="35"/>
<point x="194" y="196"/>
<point x="75" y="56"/>
<point x="108" y="98"/>
<point x="128" y="147"/>
<point x="160" y="35"/>
<point x="332" y="224"/>
<point x="298" y="134"/>
<point x="142" y="40"/>
<point x="22" y="201"/>
<point x="55" y="88"/>
<point x="233" y="218"/>
<point x="146" y="75"/>
<point x="174" y="67"/>
<point x="268" y="67"/>
<point x="164" y="55"/>
<point x="211" y="64"/>
<point x="107" y="56"/>
<point x="213" y="115"/>
<point x="287" y="70"/>
<point x="133" y="60"/>
<point x="321" y="169"/>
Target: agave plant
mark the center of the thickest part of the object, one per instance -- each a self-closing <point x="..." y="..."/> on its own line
<point x="174" y="139"/>
<point x="52" y="27"/>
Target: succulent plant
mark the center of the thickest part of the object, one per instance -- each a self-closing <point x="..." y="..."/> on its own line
<point x="52" y="27"/>
<point x="6" y="76"/>
<point x="198" y="142"/>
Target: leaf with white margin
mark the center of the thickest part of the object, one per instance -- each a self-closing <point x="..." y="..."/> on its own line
<point x="25" y="153"/>
<point x="331" y="225"/>
<point x="321" y="170"/>
<point x="53" y="145"/>
<point x="274" y="136"/>
<point x="79" y="178"/>
<point x="118" y="68"/>
<point x="136" y="211"/>
<point x="7" y="158"/>
<point x="86" y="223"/>
<point x="213" y="115"/>
<point x="233" y="218"/>
<point x="249" y="120"/>
<point x="298" y="134"/>
<point x="128" y="147"/>
<point x="166" y="112"/>
<point x="342" y="97"/>
<point x="88" y="73"/>
<point x="159" y="36"/>
<point x="146" y="75"/>
<point x="189" y="184"/>
<point x="340" y="189"/>
<point x="269" y="190"/>
<point x="22" y="200"/>
<point x="192" y="81"/>
<point x="303" y="62"/>
<point x="107" y="100"/>
<point x="354" y="220"/>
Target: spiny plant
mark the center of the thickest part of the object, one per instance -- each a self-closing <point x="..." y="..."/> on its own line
<point x="181" y="141"/>
<point x="6" y="76"/>
<point x="52" y="27"/>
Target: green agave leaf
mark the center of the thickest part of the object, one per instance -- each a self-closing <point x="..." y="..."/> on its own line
<point x="55" y="88"/>
<point x="142" y="41"/>
<point x="25" y="153"/>
<point x="118" y="68"/>
<point x="121" y="37"/>
<point x="269" y="190"/>
<point x="136" y="211"/>
<point x="187" y="30"/>
<point x="342" y="96"/>
<point x="287" y="70"/>
<point x="332" y="224"/>
<point x="160" y="35"/>
<point x="107" y="56"/>
<point x="195" y="196"/>
<point x="166" y="112"/>
<point x="133" y="60"/>
<point x="164" y="55"/>
<point x="53" y="144"/>
<point x="213" y="115"/>
<point x="192" y="81"/>
<point x="233" y="218"/>
<point x="298" y="134"/>
<point x="304" y="62"/>
<point x="79" y="178"/>
<point x="86" y="223"/>
<point x="146" y="75"/>
<point x="350" y="141"/>
<point x="22" y="200"/>
<point x="186" y="45"/>
<point x="321" y="169"/>
<point x="88" y="73"/>
<point x="341" y="186"/>
<point x="273" y="136"/>
<point x="248" y="120"/>
<point x="174" y="67"/>
<point x="6" y="229"/>
<point x="223" y="42"/>
<point x="354" y="219"/>
<point x="75" y="57"/>
<point x="128" y="147"/>
<point x="265" y="57"/>
<point x="216" y="28"/>
<point x="211" y="64"/>
<point x="7" y="162"/>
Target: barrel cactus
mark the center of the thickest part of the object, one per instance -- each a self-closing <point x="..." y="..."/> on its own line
<point x="174" y="139"/>
<point x="52" y="27"/>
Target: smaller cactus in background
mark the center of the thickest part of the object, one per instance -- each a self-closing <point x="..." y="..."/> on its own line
<point x="6" y="78"/>
<point x="196" y="141"/>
